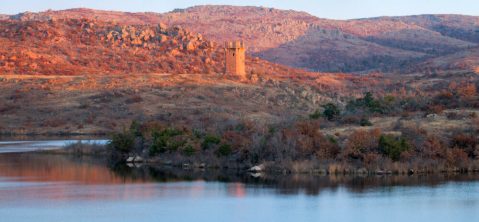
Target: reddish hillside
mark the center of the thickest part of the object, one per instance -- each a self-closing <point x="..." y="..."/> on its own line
<point x="302" y="40"/>
<point x="456" y="26"/>
<point x="399" y="34"/>
<point x="84" y="46"/>
<point x="465" y="60"/>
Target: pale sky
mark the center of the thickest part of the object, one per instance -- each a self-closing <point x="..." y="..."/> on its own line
<point x="335" y="9"/>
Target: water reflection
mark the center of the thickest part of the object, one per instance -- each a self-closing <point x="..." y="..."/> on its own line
<point x="297" y="184"/>
<point x="45" y="187"/>
<point x="58" y="171"/>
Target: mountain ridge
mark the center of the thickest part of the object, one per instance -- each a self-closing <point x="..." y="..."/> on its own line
<point x="301" y="40"/>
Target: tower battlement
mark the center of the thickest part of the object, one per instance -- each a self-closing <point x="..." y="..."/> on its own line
<point x="235" y="58"/>
<point x="234" y="45"/>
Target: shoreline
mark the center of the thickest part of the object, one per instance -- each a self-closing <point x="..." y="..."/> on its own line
<point x="270" y="168"/>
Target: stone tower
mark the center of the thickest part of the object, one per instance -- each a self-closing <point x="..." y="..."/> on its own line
<point x="235" y="58"/>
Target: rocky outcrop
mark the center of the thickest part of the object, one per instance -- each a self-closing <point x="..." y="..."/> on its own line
<point x="76" y="46"/>
<point x="257" y="168"/>
<point x="135" y="159"/>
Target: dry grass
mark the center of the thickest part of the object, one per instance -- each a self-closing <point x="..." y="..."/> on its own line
<point x="105" y="103"/>
<point x="437" y="125"/>
<point x="34" y="102"/>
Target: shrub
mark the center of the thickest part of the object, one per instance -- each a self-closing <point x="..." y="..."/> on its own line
<point x="432" y="148"/>
<point x="315" y="115"/>
<point x="123" y="142"/>
<point x="444" y="99"/>
<point x="175" y="144"/>
<point x="463" y="141"/>
<point x="389" y="99"/>
<point x="224" y="150"/>
<point x="198" y="133"/>
<point x="189" y="150"/>
<point x="171" y="132"/>
<point x="457" y="157"/>
<point x="362" y="142"/>
<point x="158" y="144"/>
<point x="466" y="142"/>
<point x="328" y="147"/>
<point x="332" y="139"/>
<point x="369" y="99"/>
<point x="371" y="159"/>
<point x="365" y="122"/>
<point x="436" y="109"/>
<point x="241" y="141"/>
<point x="370" y="104"/>
<point x="210" y="140"/>
<point x="331" y="111"/>
<point x="309" y="128"/>
<point x="392" y="146"/>
<point x="376" y="106"/>
<point x="135" y="128"/>
<point x="407" y="155"/>
<point x="163" y="140"/>
<point x="412" y="104"/>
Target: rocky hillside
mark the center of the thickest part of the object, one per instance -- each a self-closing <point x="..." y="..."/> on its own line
<point x="76" y="46"/>
<point x="71" y="46"/>
<point x="302" y="40"/>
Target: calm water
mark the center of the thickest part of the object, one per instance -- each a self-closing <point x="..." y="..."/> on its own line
<point x="41" y="187"/>
<point x="13" y="146"/>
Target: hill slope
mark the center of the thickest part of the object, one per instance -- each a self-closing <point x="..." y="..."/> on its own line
<point x="75" y="46"/>
<point x="83" y="46"/>
<point x="301" y="40"/>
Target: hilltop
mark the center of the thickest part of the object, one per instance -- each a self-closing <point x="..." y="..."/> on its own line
<point x="85" y="46"/>
<point x="301" y="40"/>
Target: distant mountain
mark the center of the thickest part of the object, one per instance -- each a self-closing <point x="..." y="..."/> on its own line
<point x="456" y="26"/>
<point x="463" y="60"/>
<point x="301" y="40"/>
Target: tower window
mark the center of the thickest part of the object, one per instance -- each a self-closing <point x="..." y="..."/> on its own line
<point x="233" y="54"/>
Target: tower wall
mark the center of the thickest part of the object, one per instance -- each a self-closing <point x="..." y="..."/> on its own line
<point x="235" y="58"/>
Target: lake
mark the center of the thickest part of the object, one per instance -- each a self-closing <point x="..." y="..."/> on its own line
<point x="46" y="187"/>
